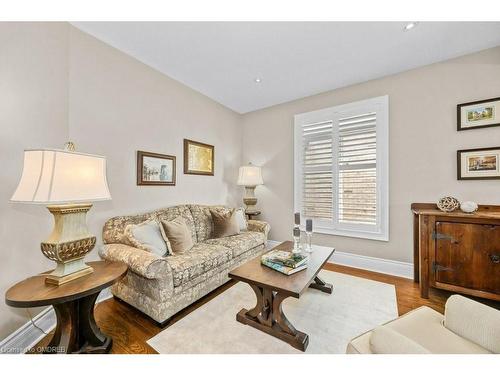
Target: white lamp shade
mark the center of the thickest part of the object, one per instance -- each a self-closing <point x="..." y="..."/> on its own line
<point x="250" y="175"/>
<point x="59" y="176"/>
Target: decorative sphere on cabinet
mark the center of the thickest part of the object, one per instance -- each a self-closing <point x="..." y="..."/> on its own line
<point x="469" y="207"/>
<point x="448" y="204"/>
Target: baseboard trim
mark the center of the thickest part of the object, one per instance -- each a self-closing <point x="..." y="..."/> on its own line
<point x="387" y="266"/>
<point x="25" y="337"/>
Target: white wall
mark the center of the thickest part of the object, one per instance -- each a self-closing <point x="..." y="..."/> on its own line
<point x="58" y="83"/>
<point x="33" y="113"/>
<point x="423" y="145"/>
<point x="117" y="105"/>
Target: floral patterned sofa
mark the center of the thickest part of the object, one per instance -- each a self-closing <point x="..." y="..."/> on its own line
<point x="162" y="286"/>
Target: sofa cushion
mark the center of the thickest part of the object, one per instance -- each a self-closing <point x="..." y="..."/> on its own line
<point x="425" y="327"/>
<point x="239" y="243"/>
<point x="203" y="223"/>
<point x="473" y="321"/>
<point x="200" y="259"/>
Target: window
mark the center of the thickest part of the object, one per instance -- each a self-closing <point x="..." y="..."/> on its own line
<point x="341" y="168"/>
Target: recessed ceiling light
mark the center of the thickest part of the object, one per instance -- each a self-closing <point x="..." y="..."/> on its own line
<point x="410" y="26"/>
<point x="257" y="80"/>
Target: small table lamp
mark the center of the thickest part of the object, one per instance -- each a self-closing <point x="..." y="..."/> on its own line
<point x="250" y="176"/>
<point x="65" y="181"/>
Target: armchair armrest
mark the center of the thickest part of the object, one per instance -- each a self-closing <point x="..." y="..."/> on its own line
<point x="141" y="262"/>
<point x="473" y="321"/>
<point x="259" y="226"/>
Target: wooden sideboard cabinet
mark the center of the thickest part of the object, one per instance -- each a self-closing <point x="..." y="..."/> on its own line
<point x="456" y="251"/>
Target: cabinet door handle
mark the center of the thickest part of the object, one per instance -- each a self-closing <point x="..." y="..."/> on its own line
<point x="495" y="258"/>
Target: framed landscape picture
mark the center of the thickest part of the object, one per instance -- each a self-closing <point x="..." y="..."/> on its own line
<point x="478" y="164"/>
<point x="155" y="169"/>
<point x="198" y="158"/>
<point x="480" y="114"/>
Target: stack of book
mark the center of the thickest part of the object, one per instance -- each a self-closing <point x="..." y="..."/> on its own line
<point x="284" y="261"/>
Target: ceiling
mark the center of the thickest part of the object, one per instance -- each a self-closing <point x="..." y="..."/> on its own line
<point x="292" y="59"/>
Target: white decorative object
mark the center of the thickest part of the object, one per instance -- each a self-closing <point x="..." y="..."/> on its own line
<point x="448" y="204"/>
<point x="469" y="207"/>
<point x="65" y="181"/>
<point x="250" y="176"/>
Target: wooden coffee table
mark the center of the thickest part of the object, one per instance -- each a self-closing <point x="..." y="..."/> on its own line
<point x="272" y="287"/>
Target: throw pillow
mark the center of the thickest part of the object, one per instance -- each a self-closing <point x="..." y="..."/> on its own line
<point x="178" y="235"/>
<point x="225" y="224"/>
<point x="241" y="219"/>
<point x="147" y="236"/>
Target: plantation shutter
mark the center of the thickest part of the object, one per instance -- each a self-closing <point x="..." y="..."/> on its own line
<point x="341" y="169"/>
<point x="317" y="195"/>
<point x="357" y="165"/>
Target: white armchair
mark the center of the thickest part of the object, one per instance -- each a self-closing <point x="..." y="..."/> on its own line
<point x="467" y="327"/>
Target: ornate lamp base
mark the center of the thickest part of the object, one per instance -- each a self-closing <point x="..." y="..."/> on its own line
<point x="68" y="243"/>
<point x="249" y="200"/>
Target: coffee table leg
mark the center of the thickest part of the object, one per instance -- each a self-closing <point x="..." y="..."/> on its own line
<point x="76" y="330"/>
<point x="320" y="284"/>
<point x="268" y="316"/>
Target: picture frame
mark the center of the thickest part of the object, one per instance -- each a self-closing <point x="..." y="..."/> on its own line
<point x="478" y="164"/>
<point x="199" y="158"/>
<point x="155" y="169"/>
<point x="478" y="114"/>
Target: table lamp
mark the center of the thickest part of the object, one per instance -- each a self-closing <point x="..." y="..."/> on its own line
<point x="66" y="182"/>
<point x="250" y="176"/>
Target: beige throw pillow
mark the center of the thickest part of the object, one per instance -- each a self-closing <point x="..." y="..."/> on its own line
<point x="225" y="224"/>
<point x="177" y="235"/>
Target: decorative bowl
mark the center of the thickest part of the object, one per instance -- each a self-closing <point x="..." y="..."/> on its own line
<point x="448" y="204"/>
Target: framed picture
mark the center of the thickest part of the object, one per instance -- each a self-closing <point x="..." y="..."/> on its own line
<point x="198" y="158"/>
<point x="478" y="164"/>
<point x="480" y="114"/>
<point x="155" y="169"/>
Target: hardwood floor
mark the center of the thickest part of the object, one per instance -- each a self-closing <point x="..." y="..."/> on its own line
<point x="130" y="329"/>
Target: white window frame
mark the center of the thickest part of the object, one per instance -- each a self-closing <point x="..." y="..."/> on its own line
<point x="380" y="105"/>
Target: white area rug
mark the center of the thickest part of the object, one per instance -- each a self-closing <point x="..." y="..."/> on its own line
<point x="331" y="321"/>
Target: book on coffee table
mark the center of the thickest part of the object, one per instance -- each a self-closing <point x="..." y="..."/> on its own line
<point x="281" y="268"/>
<point x="285" y="258"/>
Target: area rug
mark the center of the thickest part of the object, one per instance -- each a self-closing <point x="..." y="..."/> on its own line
<point x="331" y="321"/>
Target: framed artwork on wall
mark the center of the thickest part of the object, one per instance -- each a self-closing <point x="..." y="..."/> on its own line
<point x="478" y="164"/>
<point x="155" y="169"/>
<point x="198" y="158"/>
<point x="480" y="114"/>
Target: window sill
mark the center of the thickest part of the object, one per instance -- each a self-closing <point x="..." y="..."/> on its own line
<point x="354" y="234"/>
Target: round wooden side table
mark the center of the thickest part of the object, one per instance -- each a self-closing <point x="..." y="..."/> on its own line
<point x="76" y="330"/>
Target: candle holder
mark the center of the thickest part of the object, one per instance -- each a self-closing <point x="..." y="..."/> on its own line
<point x="297" y="248"/>
<point x="309" y="248"/>
<point x="309" y="233"/>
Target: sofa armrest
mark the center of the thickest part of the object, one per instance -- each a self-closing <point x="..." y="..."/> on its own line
<point x="259" y="226"/>
<point x="473" y="321"/>
<point x="141" y="262"/>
